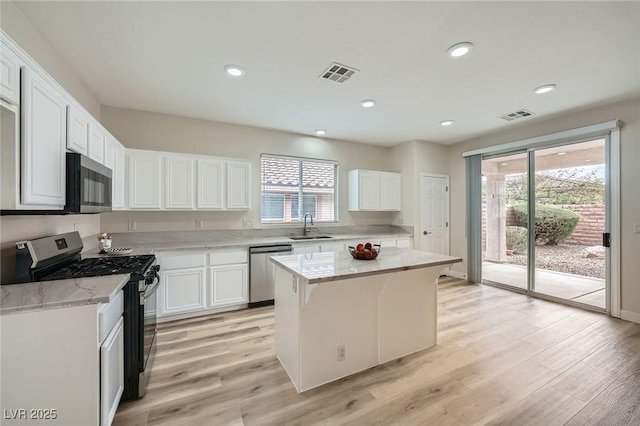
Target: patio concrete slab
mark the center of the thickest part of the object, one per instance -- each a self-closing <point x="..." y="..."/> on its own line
<point x="566" y="286"/>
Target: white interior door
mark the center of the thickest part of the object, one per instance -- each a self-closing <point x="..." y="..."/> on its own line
<point x="434" y="201"/>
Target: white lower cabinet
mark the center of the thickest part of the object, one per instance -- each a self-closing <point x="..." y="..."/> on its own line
<point x="198" y="283"/>
<point x="111" y="373"/>
<point x="228" y="285"/>
<point x="67" y="364"/>
<point x="182" y="290"/>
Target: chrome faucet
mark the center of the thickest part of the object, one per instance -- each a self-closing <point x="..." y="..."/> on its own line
<point x="306" y="230"/>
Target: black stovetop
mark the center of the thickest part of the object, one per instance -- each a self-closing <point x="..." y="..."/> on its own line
<point x="99" y="266"/>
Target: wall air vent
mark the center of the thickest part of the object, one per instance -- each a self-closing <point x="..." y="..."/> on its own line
<point x="522" y="113"/>
<point x="338" y="72"/>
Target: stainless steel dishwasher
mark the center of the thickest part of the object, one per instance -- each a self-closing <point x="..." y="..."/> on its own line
<point x="262" y="273"/>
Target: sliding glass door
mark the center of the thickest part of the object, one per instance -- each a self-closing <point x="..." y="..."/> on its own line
<point x="544" y="213"/>
<point x="504" y="242"/>
<point x="570" y="220"/>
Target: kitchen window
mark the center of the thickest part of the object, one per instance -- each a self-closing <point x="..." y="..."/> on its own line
<point x="293" y="186"/>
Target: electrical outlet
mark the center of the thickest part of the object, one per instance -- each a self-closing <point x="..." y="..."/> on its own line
<point x="132" y="225"/>
<point x="199" y="224"/>
<point x="342" y="353"/>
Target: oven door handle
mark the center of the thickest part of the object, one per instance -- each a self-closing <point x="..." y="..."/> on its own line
<point x="148" y="293"/>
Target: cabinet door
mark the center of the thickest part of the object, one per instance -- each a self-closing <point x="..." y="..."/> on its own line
<point x="109" y="151"/>
<point x="179" y="179"/>
<point x="182" y="290"/>
<point x="369" y="190"/>
<point x="210" y="184"/>
<point x="119" y="187"/>
<point x="97" y="139"/>
<point x="9" y="75"/>
<point x="144" y="180"/>
<point x="238" y="181"/>
<point x="44" y="137"/>
<point x="77" y="130"/>
<point x="390" y="189"/>
<point x="111" y="373"/>
<point x="228" y="285"/>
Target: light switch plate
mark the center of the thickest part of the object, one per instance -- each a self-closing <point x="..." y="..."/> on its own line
<point x="636" y="228"/>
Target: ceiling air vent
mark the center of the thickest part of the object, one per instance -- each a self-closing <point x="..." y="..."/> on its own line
<point x="522" y="113"/>
<point x="338" y="72"/>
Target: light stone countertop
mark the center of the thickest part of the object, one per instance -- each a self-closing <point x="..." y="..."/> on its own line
<point x="155" y="242"/>
<point x="37" y="296"/>
<point x="332" y="266"/>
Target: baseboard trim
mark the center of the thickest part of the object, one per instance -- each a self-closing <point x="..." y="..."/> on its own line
<point x="456" y="274"/>
<point x="630" y="316"/>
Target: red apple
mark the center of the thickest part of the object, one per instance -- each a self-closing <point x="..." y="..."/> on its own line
<point x="368" y="246"/>
<point x="360" y="247"/>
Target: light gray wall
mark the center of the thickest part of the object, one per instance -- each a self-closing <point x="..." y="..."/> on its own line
<point x="627" y="111"/>
<point x="147" y="130"/>
<point x="412" y="159"/>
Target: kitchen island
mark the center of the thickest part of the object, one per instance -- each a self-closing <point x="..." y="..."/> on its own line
<point x="335" y="315"/>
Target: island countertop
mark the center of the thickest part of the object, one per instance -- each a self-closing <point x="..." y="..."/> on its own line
<point x="339" y="265"/>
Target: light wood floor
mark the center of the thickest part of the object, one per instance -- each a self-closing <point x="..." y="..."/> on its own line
<point x="502" y="358"/>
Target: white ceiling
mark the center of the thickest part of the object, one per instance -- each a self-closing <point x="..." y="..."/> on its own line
<point x="168" y="57"/>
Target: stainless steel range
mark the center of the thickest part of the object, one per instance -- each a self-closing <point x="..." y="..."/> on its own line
<point x="58" y="257"/>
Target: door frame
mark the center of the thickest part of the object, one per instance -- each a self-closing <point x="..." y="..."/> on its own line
<point x="609" y="129"/>
<point x="447" y="213"/>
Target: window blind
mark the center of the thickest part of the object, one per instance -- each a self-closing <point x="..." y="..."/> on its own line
<point x="294" y="186"/>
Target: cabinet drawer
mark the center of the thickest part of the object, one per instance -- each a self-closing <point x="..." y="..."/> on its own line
<point x="182" y="261"/>
<point x="228" y="257"/>
<point x="109" y="314"/>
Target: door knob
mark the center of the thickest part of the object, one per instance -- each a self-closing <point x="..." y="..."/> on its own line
<point x="426" y="233"/>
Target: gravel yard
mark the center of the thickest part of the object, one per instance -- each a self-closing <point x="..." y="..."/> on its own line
<point x="569" y="259"/>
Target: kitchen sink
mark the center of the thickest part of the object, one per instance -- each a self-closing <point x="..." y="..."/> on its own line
<point x="311" y="237"/>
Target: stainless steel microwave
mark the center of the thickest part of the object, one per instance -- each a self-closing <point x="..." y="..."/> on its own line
<point x="88" y="188"/>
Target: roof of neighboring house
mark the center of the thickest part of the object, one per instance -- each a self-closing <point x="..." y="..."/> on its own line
<point x="286" y="172"/>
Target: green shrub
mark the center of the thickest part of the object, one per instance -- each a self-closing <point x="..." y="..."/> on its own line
<point x="517" y="238"/>
<point x="553" y="224"/>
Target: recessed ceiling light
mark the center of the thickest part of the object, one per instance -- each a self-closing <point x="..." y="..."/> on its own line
<point x="561" y="153"/>
<point x="504" y="164"/>
<point x="234" y="70"/>
<point x="446" y="123"/>
<point x="321" y="132"/>
<point x="460" y="49"/>
<point x="588" y="161"/>
<point x="544" y="89"/>
<point x="368" y="103"/>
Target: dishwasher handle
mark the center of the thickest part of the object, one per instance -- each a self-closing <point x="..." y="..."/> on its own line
<point x="270" y="249"/>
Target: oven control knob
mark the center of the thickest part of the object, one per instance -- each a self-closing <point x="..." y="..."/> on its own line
<point x="149" y="280"/>
<point x="156" y="268"/>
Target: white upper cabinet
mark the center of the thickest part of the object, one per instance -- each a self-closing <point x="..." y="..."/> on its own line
<point x="97" y="138"/>
<point x="374" y="191"/>
<point x="109" y="151"/>
<point x="209" y="184"/>
<point x="9" y="75"/>
<point x="238" y="185"/>
<point x="44" y="137"/>
<point x="145" y="180"/>
<point x="77" y="130"/>
<point x="186" y="182"/>
<point x="390" y="188"/>
<point x="179" y="183"/>
<point x="119" y="177"/>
